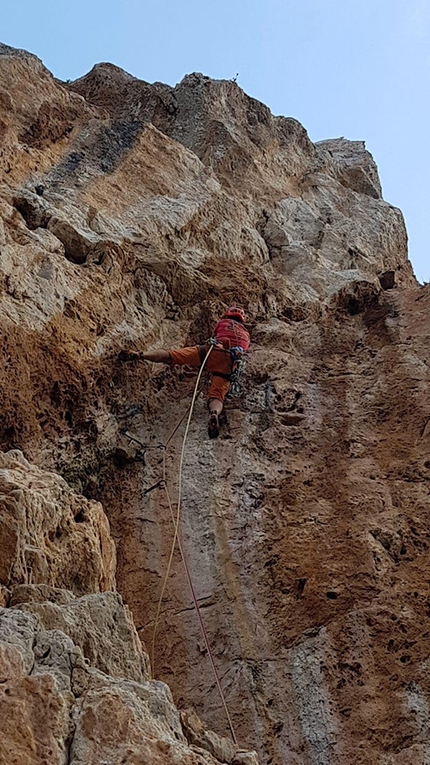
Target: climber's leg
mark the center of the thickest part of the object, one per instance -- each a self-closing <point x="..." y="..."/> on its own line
<point x="160" y="356"/>
<point x="215" y="409"/>
<point x="180" y="356"/>
<point x="191" y="357"/>
<point x="218" y="390"/>
<point x="215" y="405"/>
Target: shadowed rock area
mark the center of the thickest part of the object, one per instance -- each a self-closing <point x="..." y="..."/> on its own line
<point x="131" y="216"/>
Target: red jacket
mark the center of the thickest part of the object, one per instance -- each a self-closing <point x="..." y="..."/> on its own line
<point x="232" y="334"/>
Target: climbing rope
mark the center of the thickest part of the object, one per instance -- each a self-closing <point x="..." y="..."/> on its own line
<point x="176" y="538"/>
<point x="178" y="511"/>
<point x="198" y="611"/>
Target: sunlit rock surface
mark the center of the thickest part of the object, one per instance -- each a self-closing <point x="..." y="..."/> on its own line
<point x="130" y="216"/>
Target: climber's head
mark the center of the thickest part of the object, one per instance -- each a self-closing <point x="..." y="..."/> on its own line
<point x="238" y="314"/>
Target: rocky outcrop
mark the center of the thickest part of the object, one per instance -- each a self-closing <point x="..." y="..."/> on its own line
<point x="57" y="707"/>
<point x="130" y="215"/>
<point x="75" y="682"/>
<point x="50" y="535"/>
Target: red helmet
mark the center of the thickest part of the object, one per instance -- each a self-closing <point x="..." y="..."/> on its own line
<point x="238" y="314"/>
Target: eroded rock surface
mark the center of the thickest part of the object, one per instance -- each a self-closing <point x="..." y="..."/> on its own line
<point x="49" y="534"/>
<point x="99" y="624"/>
<point x="57" y="707"/>
<point x="130" y="215"/>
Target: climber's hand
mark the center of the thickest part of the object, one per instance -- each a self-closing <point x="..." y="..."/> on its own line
<point x="129" y="356"/>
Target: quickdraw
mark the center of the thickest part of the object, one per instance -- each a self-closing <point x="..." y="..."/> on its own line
<point x="235" y="379"/>
<point x="238" y="369"/>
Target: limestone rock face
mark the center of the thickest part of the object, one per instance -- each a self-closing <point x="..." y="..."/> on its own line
<point x="57" y="707"/>
<point x="131" y="215"/>
<point x="355" y="165"/>
<point x="99" y="624"/>
<point x="48" y="534"/>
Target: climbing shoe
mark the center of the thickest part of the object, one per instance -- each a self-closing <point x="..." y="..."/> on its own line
<point x="213" y="428"/>
<point x="129" y="356"/>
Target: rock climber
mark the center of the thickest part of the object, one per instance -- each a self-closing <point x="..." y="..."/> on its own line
<point x="230" y="341"/>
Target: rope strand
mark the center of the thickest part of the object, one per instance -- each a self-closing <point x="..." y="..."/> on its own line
<point x="199" y="614"/>
<point x="176" y="537"/>
<point x="178" y="511"/>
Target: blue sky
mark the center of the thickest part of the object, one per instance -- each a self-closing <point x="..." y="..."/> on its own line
<point x="353" y="68"/>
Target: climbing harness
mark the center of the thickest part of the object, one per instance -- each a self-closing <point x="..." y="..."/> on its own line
<point x="176" y="538"/>
<point x="237" y="362"/>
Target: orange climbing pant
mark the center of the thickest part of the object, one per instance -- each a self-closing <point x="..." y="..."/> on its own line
<point x="218" y="361"/>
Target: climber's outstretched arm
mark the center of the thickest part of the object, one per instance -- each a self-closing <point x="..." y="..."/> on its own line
<point x="161" y="356"/>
